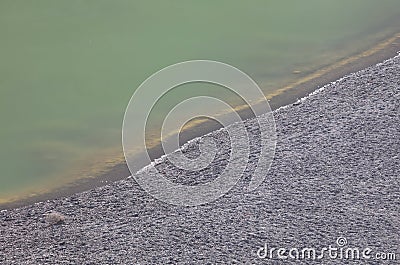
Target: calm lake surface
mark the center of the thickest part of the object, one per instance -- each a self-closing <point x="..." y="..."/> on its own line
<point x="69" y="68"/>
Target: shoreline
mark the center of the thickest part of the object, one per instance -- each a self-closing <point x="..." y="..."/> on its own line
<point x="334" y="176"/>
<point x="289" y="94"/>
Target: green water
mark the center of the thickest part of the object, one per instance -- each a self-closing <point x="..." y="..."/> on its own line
<point x="68" y="68"/>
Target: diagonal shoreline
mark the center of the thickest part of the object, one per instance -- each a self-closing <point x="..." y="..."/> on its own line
<point x="383" y="50"/>
<point x="335" y="174"/>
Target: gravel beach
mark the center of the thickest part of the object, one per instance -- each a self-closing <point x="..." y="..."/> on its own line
<point x="335" y="175"/>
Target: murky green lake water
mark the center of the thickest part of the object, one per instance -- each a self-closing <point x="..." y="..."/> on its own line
<point x="68" y="68"/>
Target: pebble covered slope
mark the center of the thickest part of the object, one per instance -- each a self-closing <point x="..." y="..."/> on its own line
<point x="335" y="174"/>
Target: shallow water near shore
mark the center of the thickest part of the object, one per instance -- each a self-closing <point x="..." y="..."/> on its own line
<point x="69" y="68"/>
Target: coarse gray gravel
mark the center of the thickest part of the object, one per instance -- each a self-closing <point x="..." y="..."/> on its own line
<point x="335" y="174"/>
